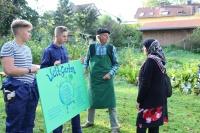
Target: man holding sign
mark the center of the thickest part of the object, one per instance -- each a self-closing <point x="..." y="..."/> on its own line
<point x="56" y="54"/>
<point x="103" y="64"/>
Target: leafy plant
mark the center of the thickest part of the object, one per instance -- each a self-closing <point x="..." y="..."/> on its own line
<point x="182" y="67"/>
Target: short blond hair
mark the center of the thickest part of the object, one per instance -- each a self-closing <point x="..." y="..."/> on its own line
<point x="59" y="30"/>
<point x="19" y="23"/>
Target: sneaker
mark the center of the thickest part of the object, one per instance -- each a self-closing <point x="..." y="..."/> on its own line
<point x="87" y="124"/>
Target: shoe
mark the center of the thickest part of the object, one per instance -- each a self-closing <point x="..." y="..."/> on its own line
<point x="115" y="130"/>
<point x="87" y="124"/>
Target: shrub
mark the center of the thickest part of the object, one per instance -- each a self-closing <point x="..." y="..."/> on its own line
<point x="130" y="61"/>
<point x="126" y="36"/>
<point x="182" y="67"/>
<point x="192" y="43"/>
<point x="121" y="35"/>
<point x="37" y="49"/>
<point x="77" y="50"/>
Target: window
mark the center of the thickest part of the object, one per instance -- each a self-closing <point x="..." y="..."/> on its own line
<point x="164" y="13"/>
<point x="141" y="14"/>
<point x="151" y="14"/>
<point x="181" y="12"/>
<point x="198" y="11"/>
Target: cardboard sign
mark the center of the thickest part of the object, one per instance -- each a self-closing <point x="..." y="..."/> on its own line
<point x="63" y="93"/>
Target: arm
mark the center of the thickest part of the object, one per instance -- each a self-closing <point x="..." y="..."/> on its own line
<point x="115" y="66"/>
<point x="10" y="69"/>
<point x="45" y="62"/>
<point x="7" y="61"/>
<point x="115" y="63"/>
<point x="87" y="59"/>
<point x="146" y="79"/>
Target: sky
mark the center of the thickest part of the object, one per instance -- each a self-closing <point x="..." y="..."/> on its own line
<point x="124" y="9"/>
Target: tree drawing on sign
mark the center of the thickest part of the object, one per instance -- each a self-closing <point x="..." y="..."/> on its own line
<point x="66" y="94"/>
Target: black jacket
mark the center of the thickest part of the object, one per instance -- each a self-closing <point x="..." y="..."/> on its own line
<point x="151" y="85"/>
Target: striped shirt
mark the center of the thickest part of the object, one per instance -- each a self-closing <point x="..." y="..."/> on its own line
<point x="102" y="50"/>
<point x="22" y="58"/>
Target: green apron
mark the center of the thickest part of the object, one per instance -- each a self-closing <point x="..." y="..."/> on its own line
<point x="101" y="91"/>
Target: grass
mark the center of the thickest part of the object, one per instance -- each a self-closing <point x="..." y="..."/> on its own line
<point x="183" y="113"/>
<point x="183" y="109"/>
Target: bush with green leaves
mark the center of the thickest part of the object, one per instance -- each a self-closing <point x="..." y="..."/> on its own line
<point x="37" y="49"/>
<point x="121" y="35"/>
<point x="130" y="62"/>
<point x="76" y="50"/>
<point x="192" y="42"/>
<point x="182" y="67"/>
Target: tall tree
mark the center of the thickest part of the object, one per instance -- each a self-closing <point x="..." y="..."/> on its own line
<point x="64" y="14"/>
<point x="45" y="27"/>
<point x="151" y="3"/>
<point x="86" y="18"/>
<point x="106" y="21"/>
<point x="115" y="28"/>
<point x="121" y="35"/>
<point x="12" y="9"/>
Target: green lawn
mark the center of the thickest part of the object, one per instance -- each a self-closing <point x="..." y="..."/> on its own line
<point x="183" y="113"/>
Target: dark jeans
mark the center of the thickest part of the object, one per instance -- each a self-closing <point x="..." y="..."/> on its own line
<point x="21" y="109"/>
<point x="150" y="130"/>
<point x="76" y="127"/>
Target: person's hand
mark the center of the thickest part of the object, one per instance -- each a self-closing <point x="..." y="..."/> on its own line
<point x="107" y="76"/>
<point x="82" y="60"/>
<point x="137" y="106"/>
<point x="85" y="71"/>
<point x="58" y="62"/>
<point x="35" y="68"/>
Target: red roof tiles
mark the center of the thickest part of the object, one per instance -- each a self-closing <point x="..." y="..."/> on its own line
<point x="171" y="10"/>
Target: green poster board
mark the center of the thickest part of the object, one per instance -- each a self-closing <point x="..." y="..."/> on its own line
<point x="63" y="93"/>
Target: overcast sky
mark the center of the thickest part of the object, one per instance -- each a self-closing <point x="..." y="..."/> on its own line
<point x="125" y="9"/>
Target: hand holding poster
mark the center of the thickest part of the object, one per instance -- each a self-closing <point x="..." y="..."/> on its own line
<point x="63" y="93"/>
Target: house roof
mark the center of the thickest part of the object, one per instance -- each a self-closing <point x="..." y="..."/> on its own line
<point x="170" y="25"/>
<point x="165" y="11"/>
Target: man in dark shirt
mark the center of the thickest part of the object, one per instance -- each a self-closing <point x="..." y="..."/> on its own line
<point x="56" y="54"/>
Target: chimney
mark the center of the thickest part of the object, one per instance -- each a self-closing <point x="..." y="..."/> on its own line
<point x="189" y="2"/>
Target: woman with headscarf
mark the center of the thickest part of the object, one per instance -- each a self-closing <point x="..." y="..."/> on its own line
<point x="152" y="97"/>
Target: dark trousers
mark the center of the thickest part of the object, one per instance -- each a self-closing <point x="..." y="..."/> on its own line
<point x="21" y="109"/>
<point x="76" y="127"/>
<point x="150" y="130"/>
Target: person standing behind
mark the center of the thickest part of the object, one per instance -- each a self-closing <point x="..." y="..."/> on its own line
<point x="102" y="61"/>
<point x="19" y="88"/>
<point x="56" y="54"/>
<point x="152" y="95"/>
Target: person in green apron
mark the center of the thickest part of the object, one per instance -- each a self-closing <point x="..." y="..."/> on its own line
<point x="102" y="62"/>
